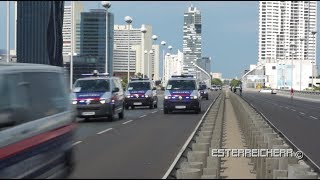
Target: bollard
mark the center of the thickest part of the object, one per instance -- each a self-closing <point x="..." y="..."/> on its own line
<point x="188" y="173"/>
<point x="201" y="147"/>
<point x="197" y="156"/>
<point x="193" y="165"/>
<point x="205" y="133"/>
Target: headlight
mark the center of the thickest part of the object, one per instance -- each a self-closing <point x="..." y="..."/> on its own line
<point x="166" y="97"/>
<point x="102" y="101"/>
<point x="194" y="97"/>
<point x="146" y="96"/>
<point x="74" y="102"/>
<point x="128" y="96"/>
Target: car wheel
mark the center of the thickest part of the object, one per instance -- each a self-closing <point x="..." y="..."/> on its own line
<point x="207" y="98"/>
<point x="110" y="117"/>
<point x="121" y="115"/>
<point x="126" y="107"/>
<point x="166" y="111"/>
<point x="156" y="105"/>
<point x="132" y="107"/>
<point x="151" y="106"/>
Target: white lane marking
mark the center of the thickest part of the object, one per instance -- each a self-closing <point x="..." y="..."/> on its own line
<point x="302" y="113"/>
<point x="76" y="143"/>
<point x="142" y="116"/>
<point x="313" y="117"/>
<point x="154" y="112"/>
<point x="127" y="122"/>
<point x="293" y="110"/>
<point x="101" y="132"/>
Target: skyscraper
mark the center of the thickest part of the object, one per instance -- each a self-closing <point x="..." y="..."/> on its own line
<point x="39" y="32"/>
<point x="191" y="38"/>
<point x="205" y="64"/>
<point x="67" y="29"/>
<point x="93" y="37"/>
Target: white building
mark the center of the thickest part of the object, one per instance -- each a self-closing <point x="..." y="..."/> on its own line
<point x="281" y="24"/>
<point x="67" y="29"/>
<point x="191" y="38"/>
<point x="173" y="65"/>
<point x="216" y="75"/>
<point x="156" y="62"/>
<point x="139" y="42"/>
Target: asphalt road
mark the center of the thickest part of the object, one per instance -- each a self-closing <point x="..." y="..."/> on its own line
<point x="142" y="145"/>
<point x="299" y="120"/>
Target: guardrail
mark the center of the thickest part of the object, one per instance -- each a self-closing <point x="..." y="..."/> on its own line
<point x="260" y="133"/>
<point x="194" y="160"/>
<point x="300" y="92"/>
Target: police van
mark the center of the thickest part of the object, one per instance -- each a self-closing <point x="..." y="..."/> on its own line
<point x="141" y="92"/>
<point x="182" y="93"/>
<point x="98" y="95"/>
<point x="36" y="122"/>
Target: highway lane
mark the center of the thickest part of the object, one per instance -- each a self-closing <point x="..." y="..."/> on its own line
<point x="142" y="148"/>
<point x="299" y="120"/>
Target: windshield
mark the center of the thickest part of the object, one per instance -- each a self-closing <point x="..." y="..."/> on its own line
<point x="202" y="87"/>
<point x="94" y="85"/>
<point x="181" y="84"/>
<point x="135" y="86"/>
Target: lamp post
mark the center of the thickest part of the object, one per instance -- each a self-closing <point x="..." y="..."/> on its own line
<point x="143" y="30"/>
<point x="302" y="56"/>
<point x="292" y="45"/>
<point x="148" y="54"/>
<point x="72" y="51"/>
<point x="71" y="68"/>
<point x="107" y="5"/>
<point x="154" y="38"/>
<point x="128" y="20"/>
<point x="8" y="31"/>
<point x="313" y="32"/>
<point x="163" y="43"/>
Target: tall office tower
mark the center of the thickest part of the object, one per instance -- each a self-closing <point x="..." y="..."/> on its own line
<point x="205" y="64"/>
<point x="282" y="24"/>
<point x="191" y="38"/>
<point x="173" y="65"/>
<point x="155" y="62"/>
<point x="93" y="37"/>
<point x="68" y="28"/>
<point x="39" y="32"/>
<point x="139" y="42"/>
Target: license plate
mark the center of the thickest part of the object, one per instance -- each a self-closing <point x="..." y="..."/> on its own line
<point x="181" y="107"/>
<point x="88" y="113"/>
<point x="137" y="103"/>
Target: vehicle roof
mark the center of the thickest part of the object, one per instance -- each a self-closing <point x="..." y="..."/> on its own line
<point x="180" y="78"/>
<point x="140" y="81"/>
<point x="28" y="67"/>
<point x="98" y="77"/>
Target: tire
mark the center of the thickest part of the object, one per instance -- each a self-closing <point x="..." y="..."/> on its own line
<point x="121" y="115"/>
<point x="126" y="107"/>
<point x="198" y="111"/>
<point x="207" y="98"/>
<point x="111" y="116"/>
<point x="156" y="105"/>
<point x="165" y="111"/>
<point x="151" y="106"/>
<point x="132" y="107"/>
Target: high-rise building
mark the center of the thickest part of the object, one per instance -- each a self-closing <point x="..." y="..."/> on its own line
<point x="205" y="64"/>
<point x="68" y="28"/>
<point x="155" y="63"/>
<point x="191" y="38"/>
<point x="282" y="24"/>
<point x="138" y="43"/>
<point x="93" y="37"/>
<point x="39" y="32"/>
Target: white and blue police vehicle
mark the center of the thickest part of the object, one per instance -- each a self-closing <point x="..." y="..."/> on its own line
<point x="98" y="95"/>
<point x="182" y="93"/>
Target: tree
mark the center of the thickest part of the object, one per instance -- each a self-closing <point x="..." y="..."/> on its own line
<point x="124" y="82"/>
<point x="235" y="82"/>
<point x="216" y="81"/>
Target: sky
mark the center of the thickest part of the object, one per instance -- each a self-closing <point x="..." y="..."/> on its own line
<point x="229" y="28"/>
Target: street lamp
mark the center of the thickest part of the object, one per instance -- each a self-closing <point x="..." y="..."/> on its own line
<point x="8" y="31"/>
<point x="143" y="30"/>
<point x="163" y="43"/>
<point x="292" y="45"/>
<point x="128" y="20"/>
<point x="302" y="56"/>
<point x="107" y="5"/>
<point x="313" y="32"/>
<point x="71" y="68"/>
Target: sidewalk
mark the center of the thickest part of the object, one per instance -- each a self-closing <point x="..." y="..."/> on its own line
<point x="234" y="167"/>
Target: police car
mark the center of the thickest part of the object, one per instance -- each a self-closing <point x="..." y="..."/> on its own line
<point x="204" y="91"/>
<point x="141" y="92"/>
<point x="182" y="93"/>
<point x="98" y="95"/>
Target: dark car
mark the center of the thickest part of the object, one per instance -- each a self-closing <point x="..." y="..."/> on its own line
<point x="141" y="92"/>
<point x="36" y="122"/>
<point x="204" y="91"/>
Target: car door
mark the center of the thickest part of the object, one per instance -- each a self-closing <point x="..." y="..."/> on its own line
<point x="116" y="96"/>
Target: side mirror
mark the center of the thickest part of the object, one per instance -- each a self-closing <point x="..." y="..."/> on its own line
<point x="115" y="90"/>
<point x="154" y="88"/>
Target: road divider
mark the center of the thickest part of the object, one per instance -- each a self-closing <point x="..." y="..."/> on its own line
<point x="194" y="160"/>
<point x="260" y="133"/>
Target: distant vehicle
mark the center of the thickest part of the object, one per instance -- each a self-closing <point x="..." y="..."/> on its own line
<point x="98" y="95"/>
<point x="219" y="87"/>
<point x="204" y="91"/>
<point x="214" y="88"/>
<point x="141" y="92"/>
<point x="36" y="122"/>
<point x="182" y="93"/>
<point x="268" y="90"/>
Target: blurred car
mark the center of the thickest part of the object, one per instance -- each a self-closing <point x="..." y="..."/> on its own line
<point x="219" y="87"/>
<point x="182" y="93"/>
<point x="204" y="91"/>
<point x="266" y="90"/>
<point x="141" y="92"/>
<point x="98" y="95"/>
<point x="36" y="122"/>
<point x="214" y="88"/>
